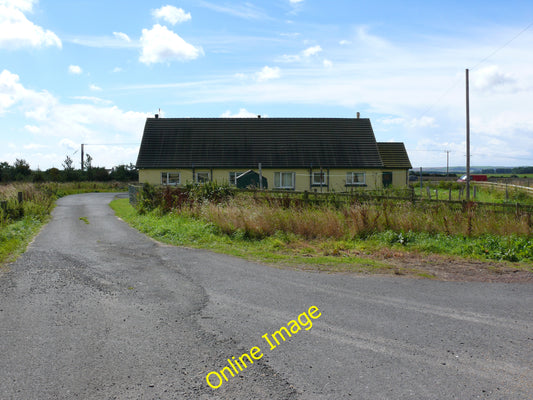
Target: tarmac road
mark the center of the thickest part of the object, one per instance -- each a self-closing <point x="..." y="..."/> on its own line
<point x="96" y="310"/>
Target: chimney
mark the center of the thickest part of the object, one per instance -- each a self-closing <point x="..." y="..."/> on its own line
<point x="156" y="116"/>
<point x="358" y="114"/>
<point x="259" y="116"/>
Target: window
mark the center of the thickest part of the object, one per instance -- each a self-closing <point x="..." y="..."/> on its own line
<point x="233" y="177"/>
<point x="355" y="178"/>
<point x="202" y="177"/>
<point x="170" y="178"/>
<point x="319" y="178"/>
<point x="284" y="180"/>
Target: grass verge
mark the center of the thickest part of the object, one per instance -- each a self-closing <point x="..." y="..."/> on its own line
<point x="15" y="237"/>
<point x="278" y="249"/>
<point x="415" y="254"/>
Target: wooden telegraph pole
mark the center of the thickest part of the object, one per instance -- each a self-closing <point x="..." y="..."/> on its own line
<point x="467" y="140"/>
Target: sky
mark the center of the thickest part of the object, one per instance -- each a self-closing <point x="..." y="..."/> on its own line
<point x="92" y="71"/>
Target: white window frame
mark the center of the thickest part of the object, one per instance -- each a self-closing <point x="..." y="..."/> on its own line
<point x="197" y="174"/>
<point x="357" y="182"/>
<point x="322" y="182"/>
<point x="233" y="177"/>
<point x="278" y="180"/>
<point x="166" y="178"/>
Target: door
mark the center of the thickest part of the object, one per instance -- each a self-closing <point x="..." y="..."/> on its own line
<point x="387" y="179"/>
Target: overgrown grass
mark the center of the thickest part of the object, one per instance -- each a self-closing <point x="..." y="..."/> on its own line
<point x="186" y="230"/>
<point x="289" y="226"/>
<point x="259" y="220"/>
<point x="287" y="237"/>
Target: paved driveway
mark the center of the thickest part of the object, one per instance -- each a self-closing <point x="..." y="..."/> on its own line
<point x="95" y="310"/>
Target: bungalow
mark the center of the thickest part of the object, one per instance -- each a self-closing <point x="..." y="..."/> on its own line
<point x="313" y="154"/>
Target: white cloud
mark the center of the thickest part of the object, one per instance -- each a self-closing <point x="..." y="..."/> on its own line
<point x="243" y="113"/>
<point x="290" y="58"/>
<point x="69" y="144"/>
<point x="327" y="63"/>
<point x="117" y="69"/>
<point x="423" y="122"/>
<point x="311" y="51"/>
<point x="95" y="88"/>
<point x="345" y="42"/>
<point x="32" y="128"/>
<point x="34" y="146"/>
<point x="24" y="5"/>
<point x="490" y="78"/>
<point x="303" y="55"/>
<point x="11" y="91"/>
<point x="160" y="44"/>
<point x="75" y="69"/>
<point x="92" y="99"/>
<point x="171" y="14"/>
<point x="71" y="124"/>
<point x="17" y="31"/>
<point x="268" y="73"/>
<point x="122" y="36"/>
<point x="296" y="1"/>
<point x="246" y="11"/>
<point x="119" y="40"/>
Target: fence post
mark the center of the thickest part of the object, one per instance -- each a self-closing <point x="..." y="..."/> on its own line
<point x="19" y="196"/>
<point x="428" y="192"/>
<point x="450" y="194"/>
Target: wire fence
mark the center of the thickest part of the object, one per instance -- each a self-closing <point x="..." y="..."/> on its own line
<point x="290" y="198"/>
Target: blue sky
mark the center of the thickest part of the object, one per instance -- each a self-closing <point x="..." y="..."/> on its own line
<point x="91" y="71"/>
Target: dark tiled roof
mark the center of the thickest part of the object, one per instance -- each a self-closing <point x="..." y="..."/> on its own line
<point x="394" y="155"/>
<point x="245" y="142"/>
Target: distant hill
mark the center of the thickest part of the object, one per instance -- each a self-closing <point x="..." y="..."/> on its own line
<point x="477" y="170"/>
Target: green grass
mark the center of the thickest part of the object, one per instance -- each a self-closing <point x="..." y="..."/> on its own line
<point x="484" y="193"/>
<point x="15" y="237"/>
<point x="278" y="249"/>
<point x="335" y="254"/>
<point x="510" y="248"/>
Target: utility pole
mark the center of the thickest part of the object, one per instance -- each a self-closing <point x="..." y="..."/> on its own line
<point x="467" y="139"/>
<point x="82" y="156"/>
<point x="447" y="163"/>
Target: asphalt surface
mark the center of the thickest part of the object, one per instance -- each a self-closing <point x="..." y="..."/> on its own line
<point x="96" y="310"/>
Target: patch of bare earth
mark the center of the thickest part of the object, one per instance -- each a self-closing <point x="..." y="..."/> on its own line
<point x="449" y="268"/>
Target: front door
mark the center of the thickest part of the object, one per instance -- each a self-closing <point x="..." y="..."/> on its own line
<point x="387" y="179"/>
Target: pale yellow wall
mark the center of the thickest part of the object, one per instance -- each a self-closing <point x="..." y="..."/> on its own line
<point x="399" y="178"/>
<point x="337" y="177"/>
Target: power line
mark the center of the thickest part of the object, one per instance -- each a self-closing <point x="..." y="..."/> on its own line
<point x="458" y="80"/>
<point x="504" y="45"/>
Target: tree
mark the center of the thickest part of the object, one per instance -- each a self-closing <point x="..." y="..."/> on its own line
<point x="68" y="169"/>
<point x="53" y="174"/>
<point x="88" y="162"/>
<point x="67" y="164"/>
<point x="6" y="172"/>
<point x="21" y="169"/>
<point x="125" y="173"/>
